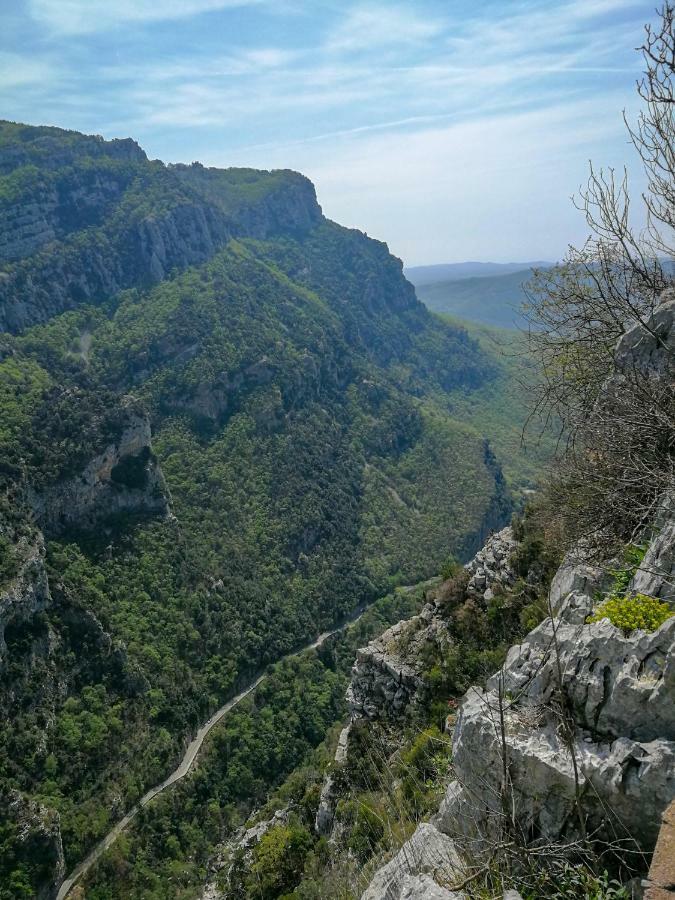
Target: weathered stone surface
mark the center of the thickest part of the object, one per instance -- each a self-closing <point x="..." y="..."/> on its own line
<point x="621" y="781"/>
<point x="387" y="673"/>
<point x="491" y="566"/>
<point x="39" y="838"/>
<point x="620" y="693"/>
<point x="323" y="821"/>
<point x="423" y="887"/>
<point x="342" y="745"/>
<point x="244" y="843"/>
<point x="616" y="685"/>
<point x="650" y="352"/>
<point x="325" y="814"/>
<point x="660" y="885"/>
<point x="575" y="576"/>
<point x="656" y="574"/>
<point x="102" y="489"/>
<point x="427" y="852"/>
<point x="28" y="593"/>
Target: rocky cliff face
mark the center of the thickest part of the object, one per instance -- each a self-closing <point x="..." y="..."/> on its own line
<point x="387" y="676"/>
<point x="387" y="673"/>
<point x="616" y="772"/>
<point x="123" y="477"/>
<point x="76" y="225"/>
<point x="610" y="772"/>
<point x="28" y="593"/>
<point x="38" y="837"/>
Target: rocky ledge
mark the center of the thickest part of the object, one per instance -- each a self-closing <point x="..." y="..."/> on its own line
<point x="491" y="566"/>
<point x="387" y="673"/>
<point x="574" y="736"/>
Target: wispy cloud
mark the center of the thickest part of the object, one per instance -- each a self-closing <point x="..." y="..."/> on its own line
<point x="365" y="27"/>
<point x="19" y="70"/>
<point x="84" y="16"/>
<point x="355" y="93"/>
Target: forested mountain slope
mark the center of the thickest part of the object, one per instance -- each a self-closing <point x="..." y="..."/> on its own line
<point x="225" y="422"/>
<point x="488" y="299"/>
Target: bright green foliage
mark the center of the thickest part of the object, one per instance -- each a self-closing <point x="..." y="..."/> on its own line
<point x="569" y="882"/>
<point x="260" y="742"/>
<point x="366" y="826"/>
<point x="637" y="611"/>
<point x="278" y="861"/>
<point x="632" y="558"/>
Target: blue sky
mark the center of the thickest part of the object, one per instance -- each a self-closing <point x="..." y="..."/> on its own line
<point x="453" y="130"/>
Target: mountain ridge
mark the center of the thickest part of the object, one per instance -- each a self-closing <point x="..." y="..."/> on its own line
<point x="294" y="455"/>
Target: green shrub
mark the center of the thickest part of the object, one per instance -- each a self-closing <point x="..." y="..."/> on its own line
<point x="628" y="613"/>
<point x="633" y="555"/>
<point x="450" y="568"/>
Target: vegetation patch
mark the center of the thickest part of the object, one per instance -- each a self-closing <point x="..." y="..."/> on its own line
<point x="631" y="613"/>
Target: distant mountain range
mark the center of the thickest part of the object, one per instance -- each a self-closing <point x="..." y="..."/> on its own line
<point x="420" y="275"/>
<point x="489" y="293"/>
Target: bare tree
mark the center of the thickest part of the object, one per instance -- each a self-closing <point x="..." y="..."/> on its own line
<point x="619" y="436"/>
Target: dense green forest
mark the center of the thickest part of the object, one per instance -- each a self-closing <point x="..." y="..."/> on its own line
<point x="317" y="438"/>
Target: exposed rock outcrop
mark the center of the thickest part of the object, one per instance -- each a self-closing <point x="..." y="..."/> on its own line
<point x="325" y="814"/>
<point x="28" y="593"/>
<point x="38" y="841"/>
<point x="425" y="858"/>
<point x="491" y="566"/>
<point x="76" y="229"/>
<point x="239" y="851"/>
<point x="609" y="771"/>
<point x="656" y="574"/>
<point x="618" y="769"/>
<point x="124" y="477"/>
<point x="387" y="673"/>
<point x="649" y="351"/>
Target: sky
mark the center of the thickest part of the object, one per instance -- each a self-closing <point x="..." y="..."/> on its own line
<point x="451" y="129"/>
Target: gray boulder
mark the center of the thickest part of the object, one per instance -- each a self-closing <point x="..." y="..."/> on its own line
<point x="656" y="574"/>
<point x="427" y="852"/>
<point x="423" y="887"/>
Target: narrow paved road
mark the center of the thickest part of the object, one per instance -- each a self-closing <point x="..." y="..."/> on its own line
<point x="186" y="763"/>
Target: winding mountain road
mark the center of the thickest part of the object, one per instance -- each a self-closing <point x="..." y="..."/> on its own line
<point x="187" y="761"/>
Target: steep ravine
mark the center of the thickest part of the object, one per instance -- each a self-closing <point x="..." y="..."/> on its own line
<point x="565" y="754"/>
<point x="186" y="764"/>
<point x="225" y="423"/>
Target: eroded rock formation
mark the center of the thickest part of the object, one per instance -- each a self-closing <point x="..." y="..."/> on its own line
<point x="123" y="477"/>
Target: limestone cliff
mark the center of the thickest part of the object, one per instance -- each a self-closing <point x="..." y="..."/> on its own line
<point x="123" y="477"/>
<point x="38" y="837"/>
<point x="613" y="776"/>
<point x="28" y="592"/>
<point x="76" y="226"/>
<point x="616" y="772"/>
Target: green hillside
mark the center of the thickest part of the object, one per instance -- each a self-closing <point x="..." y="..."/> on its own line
<point x="488" y="299"/>
<point x="232" y="423"/>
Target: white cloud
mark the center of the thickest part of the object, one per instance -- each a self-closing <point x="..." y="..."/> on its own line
<point x="368" y="26"/>
<point x="83" y="16"/>
<point x="18" y="71"/>
<point x="494" y="188"/>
